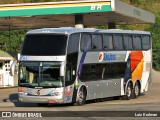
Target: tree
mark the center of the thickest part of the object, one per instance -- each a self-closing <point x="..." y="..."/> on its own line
<point x="12" y="40"/>
<point x="155" y="30"/>
<point x="133" y="1"/>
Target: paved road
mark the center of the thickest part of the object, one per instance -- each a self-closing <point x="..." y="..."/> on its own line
<point x="149" y="102"/>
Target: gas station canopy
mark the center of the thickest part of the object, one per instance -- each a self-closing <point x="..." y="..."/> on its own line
<point x="63" y="14"/>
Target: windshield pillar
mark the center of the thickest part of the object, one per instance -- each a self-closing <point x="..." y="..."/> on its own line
<point x="62" y="69"/>
<point x="39" y="78"/>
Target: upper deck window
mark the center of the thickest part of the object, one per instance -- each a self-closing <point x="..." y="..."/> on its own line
<point x="117" y="42"/>
<point x="44" y="44"/>
<point x="97" y="42"/>
<point x="86" y="41"/>
<point x="146" y="42"/>
<point x="137" y="43"/>
<point x="127" y="39"/>
<point x="107" y="42"/>
<point x="73" y="43"/>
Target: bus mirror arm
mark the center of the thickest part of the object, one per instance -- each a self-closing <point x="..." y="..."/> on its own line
<point x="12" y="69"/>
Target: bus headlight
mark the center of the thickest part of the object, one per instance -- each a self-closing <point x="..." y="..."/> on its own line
<point x="23" y="93"/>
<point x="20" y="93"/>
<point x="55" y="94"/>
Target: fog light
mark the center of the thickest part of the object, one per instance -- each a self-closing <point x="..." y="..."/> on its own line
<point x="20" y="99"/>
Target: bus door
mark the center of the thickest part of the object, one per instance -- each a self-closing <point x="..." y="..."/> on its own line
<point x="69" y="80"/>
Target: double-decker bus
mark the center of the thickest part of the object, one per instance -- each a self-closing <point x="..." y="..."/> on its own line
<point x="71" y="65"/>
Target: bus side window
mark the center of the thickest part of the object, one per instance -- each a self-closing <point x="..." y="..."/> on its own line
<point x="127" y="40"/>
<point x="85" y="73"/>
<point x="146" y="42"/>
<point x="137" y="44"/>
<point x="117" y="42"/>
<point x="69" y="72"/>
<point x="107" y="42"/>
<point x="92" y="72"/>
<point x="85" y="39"/>
<point x="109" y="70"/>
<point x="100" y="71"/>
<point x="97" y="42"/>
<point x="68" y="75"/>
<point x="121" y="68"/>
<point x="73" y="44"/>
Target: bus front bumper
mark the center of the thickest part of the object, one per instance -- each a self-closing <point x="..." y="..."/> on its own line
<point x="41" y="99"/>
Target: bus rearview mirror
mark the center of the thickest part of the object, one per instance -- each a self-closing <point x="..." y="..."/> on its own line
<point x="12" y="69"/>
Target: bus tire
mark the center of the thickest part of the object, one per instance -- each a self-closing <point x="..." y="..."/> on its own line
<point x="81" y="100"/>
<point x="128" y="93"/>
<point x="136" y="90"/>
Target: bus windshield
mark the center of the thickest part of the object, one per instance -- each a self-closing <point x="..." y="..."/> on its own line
<point x="44" y="44"/>
<point x="40" y="74"/>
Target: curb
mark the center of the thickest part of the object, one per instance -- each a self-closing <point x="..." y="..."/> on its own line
<point x="6" y="104"/>
<point x="8" y="87"/>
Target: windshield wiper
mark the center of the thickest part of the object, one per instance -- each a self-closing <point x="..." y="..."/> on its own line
<point x="50" y="85"/>
<point x="26" y="85"/>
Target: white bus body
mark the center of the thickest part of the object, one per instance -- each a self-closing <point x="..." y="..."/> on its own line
<point x="70" y="65"/>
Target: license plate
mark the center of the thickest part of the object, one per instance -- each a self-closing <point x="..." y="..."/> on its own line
<point x="51" y="101"/>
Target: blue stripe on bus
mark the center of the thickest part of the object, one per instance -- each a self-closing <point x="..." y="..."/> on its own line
<point x="97" y="30"/>
<point x="128" y="72"/>
<point x="49" y="92"/>
<point x="83" y="58"/>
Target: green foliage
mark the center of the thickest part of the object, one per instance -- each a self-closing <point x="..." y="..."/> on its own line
<point x="142" y="1"/>
<point x="34" y="1"/>
<point x="155" y="30"/>
<point x="12" y="41"/>
<point x="25" y="1"/>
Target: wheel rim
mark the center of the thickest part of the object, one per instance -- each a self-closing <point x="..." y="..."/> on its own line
<point x="136" y="90"/>
<point x="129" y="92"/>
<point x="80" y="98"/>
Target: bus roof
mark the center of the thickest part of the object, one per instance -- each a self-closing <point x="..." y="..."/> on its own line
<point x="71" y="30"/>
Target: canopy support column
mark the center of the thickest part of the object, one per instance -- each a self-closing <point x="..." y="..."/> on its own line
<point x="79" y="21"/>
<point x="111" y="25"/>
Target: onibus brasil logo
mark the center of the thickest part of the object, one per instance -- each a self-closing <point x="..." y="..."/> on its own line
<point x="106" y="56"/>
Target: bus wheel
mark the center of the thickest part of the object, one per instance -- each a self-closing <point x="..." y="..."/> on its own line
<point x="128" y="94"/>
<point x="136" y="90"/>
<point x="81" y="97"/>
